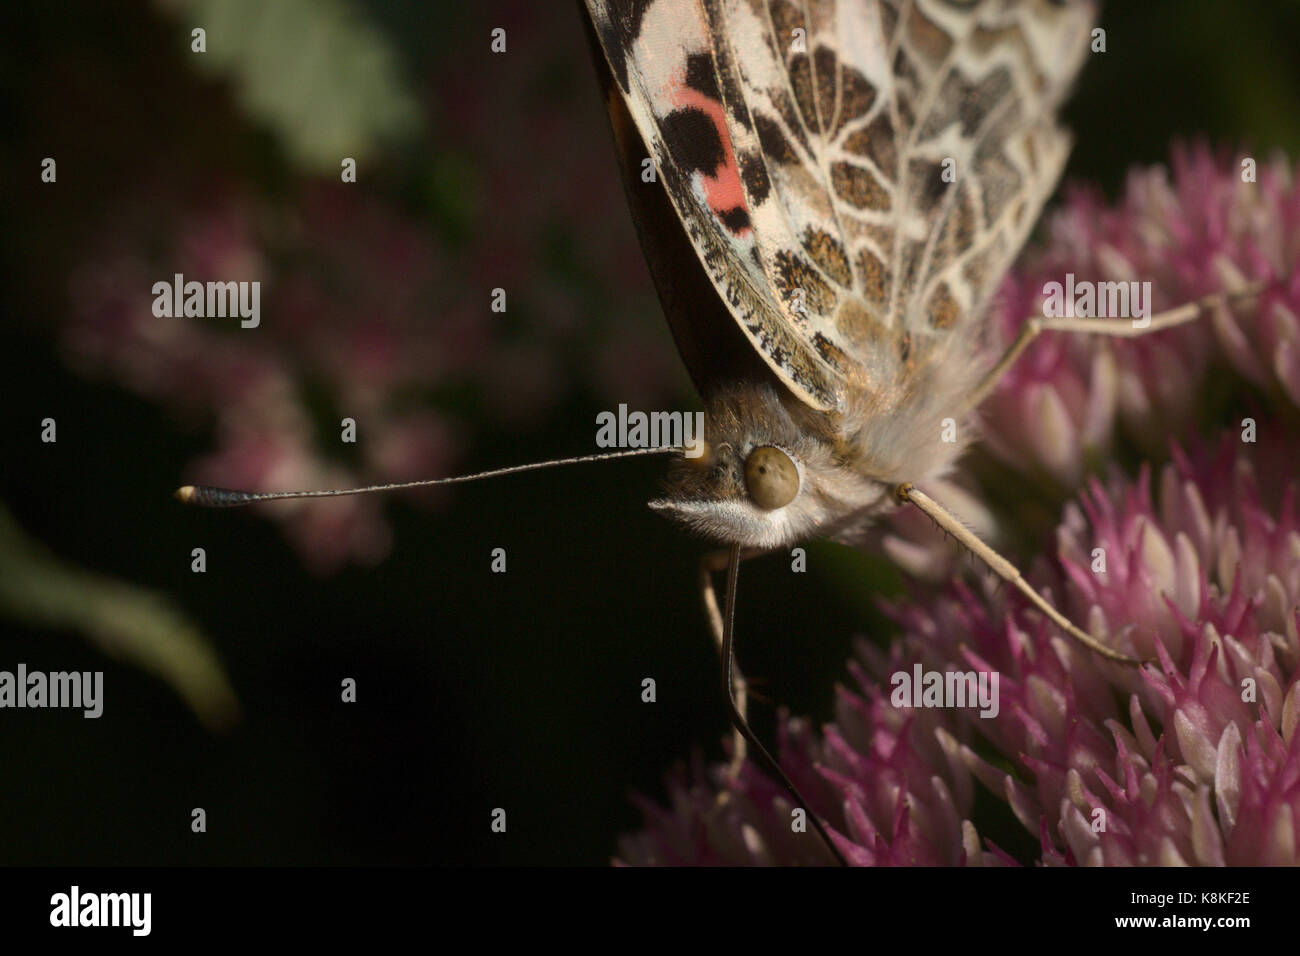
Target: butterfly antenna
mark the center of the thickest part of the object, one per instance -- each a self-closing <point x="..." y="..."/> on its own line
<point x="206" y="496"/>
<point x="738" y="719"/>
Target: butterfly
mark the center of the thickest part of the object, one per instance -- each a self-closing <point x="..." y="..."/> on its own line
<point x="838" y="188"/>
<point x="843" y="184"/>
<point x="853" y="177"/>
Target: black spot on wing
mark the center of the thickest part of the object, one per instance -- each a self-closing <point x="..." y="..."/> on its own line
<point x="831" y="353"/>
<point x="856" y="186"/>
<point x="701" y="77"/>
<point x="773" y="141"/>
<point x="829" y="255"/>
<point x="737" y="219"/>
<point x="693" y="140"/>
<point x="801" y="81"/>
<point x="856" y="97"/>
<point x="753" y="173"/>
<point x="618" y="36"/>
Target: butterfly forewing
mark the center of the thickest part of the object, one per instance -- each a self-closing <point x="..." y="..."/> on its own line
<point x="662" y="56"/>
<point x="856" y="176"/>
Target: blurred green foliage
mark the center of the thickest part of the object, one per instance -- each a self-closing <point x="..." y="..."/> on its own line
<point x="316" y="73"/>
<point x="142" y="628"/>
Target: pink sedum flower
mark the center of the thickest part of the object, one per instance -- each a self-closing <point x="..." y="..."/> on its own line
<point x="1190" y="230"/>
<point x="1193" y="759"/>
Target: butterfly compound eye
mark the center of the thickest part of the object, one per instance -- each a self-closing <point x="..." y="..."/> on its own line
<point x="771" y="477"/>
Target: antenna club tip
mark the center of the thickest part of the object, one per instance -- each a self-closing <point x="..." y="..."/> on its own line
<point x="184" y="494"/>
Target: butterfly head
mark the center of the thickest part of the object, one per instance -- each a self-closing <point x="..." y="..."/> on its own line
<point x="766" y="477"/>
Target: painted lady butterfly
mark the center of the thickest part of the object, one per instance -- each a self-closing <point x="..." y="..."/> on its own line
<point x="854" y="178"/>
<point x="841" y="185"/>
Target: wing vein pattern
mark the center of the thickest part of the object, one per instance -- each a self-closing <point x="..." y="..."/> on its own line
<point x="856" y="176"/>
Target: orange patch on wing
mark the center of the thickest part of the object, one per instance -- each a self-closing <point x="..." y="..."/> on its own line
<point x="722" y="191"/>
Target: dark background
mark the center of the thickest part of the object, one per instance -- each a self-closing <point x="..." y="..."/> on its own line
<point x="476" y="690"/>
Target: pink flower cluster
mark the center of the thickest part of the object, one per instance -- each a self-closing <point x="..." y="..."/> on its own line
<point x="1194" y="759"/>
<point x="1192" y="229"/>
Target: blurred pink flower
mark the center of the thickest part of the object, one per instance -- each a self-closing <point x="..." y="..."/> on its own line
<point x="373" y="314"/>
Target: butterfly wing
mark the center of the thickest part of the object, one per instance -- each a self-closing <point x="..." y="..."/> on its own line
<point x="712" y="346"/>
<point x="855" y="175"/>
<point x="661" y="57"/>
<point x="975" y="93"/>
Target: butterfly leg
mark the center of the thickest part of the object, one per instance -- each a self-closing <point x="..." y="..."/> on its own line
<point x="1003" y="568"/>
<point x="1188" y="312"/>
<point x="710" y="564"/>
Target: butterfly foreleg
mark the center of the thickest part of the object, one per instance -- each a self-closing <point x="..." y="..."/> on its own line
<point x="1187" y="312"/>
<point x="1003" y="568"/>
